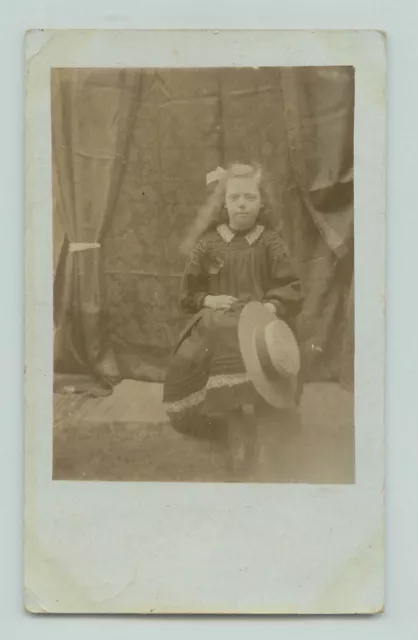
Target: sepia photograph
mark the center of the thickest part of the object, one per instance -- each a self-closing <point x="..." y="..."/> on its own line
<point x="203" y="240"/>
<point x="205" y="312"/>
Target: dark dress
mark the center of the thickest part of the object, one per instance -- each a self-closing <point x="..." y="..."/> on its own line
<point x="206" y="375"/>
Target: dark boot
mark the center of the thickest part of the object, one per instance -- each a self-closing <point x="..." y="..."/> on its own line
<point x="201" y="427"/>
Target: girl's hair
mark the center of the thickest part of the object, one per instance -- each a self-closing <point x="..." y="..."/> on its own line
<point x="214" y="213"/>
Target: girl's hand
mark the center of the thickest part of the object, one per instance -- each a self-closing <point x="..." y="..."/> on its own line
<point x="270" y="306"/>
<point x="219" y="303"/>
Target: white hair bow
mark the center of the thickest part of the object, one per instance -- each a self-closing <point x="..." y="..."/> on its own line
<point x="215" y="175"/>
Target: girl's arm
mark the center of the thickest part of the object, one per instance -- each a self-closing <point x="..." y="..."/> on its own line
<point x="283" y="287"/>
<point x="194" y="287"/>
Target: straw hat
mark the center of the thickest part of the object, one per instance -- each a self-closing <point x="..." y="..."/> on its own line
<point x="270" y="353"/>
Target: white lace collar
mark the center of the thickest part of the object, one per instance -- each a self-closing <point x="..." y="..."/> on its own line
<point x="228" y="235"/>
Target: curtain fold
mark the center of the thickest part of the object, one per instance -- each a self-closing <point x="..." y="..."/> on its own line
<point x="319" y="112"/>
<point x="93" y="113"/>
<point x="319" y="115"/>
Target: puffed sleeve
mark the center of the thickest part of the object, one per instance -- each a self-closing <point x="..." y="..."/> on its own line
<point x="194" y="285"/>
<point x="283" y="287"/>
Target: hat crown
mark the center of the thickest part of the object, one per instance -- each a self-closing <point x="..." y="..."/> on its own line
<point x="271" y="354"/>
<point x="282" y="348"/>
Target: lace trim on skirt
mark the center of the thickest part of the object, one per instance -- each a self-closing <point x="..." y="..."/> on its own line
<point x="214" y="382"/>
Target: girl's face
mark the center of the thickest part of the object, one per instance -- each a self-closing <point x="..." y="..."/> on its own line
<point x="242" y="200"/>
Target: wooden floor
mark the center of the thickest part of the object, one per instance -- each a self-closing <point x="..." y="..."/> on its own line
<point x="126" y="436"/>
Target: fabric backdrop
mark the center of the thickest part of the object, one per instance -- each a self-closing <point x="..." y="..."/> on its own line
<point x="184" y="123"/>
<point x="92" y="121"/>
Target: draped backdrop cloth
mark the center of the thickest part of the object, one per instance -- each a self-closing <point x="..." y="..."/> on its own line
<point x="129" y="172"/>
<point x="93" y="116"/>
<point x="319" y="116"/>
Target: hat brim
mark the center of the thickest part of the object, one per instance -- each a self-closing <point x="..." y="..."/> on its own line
<point x="279" y="393"/>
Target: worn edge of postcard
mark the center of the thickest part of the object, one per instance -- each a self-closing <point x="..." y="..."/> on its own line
<point x="51" y="584"/>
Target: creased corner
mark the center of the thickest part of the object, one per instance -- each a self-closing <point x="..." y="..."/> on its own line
<point x="358" y="586"/>
<point x="35" y="42"/>
<point x="32" y="603"/>
<point x="379" y="611"/>
<point x="49" y="586"/>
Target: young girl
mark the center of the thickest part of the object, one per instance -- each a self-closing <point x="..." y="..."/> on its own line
<point x="237" y="257"/>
